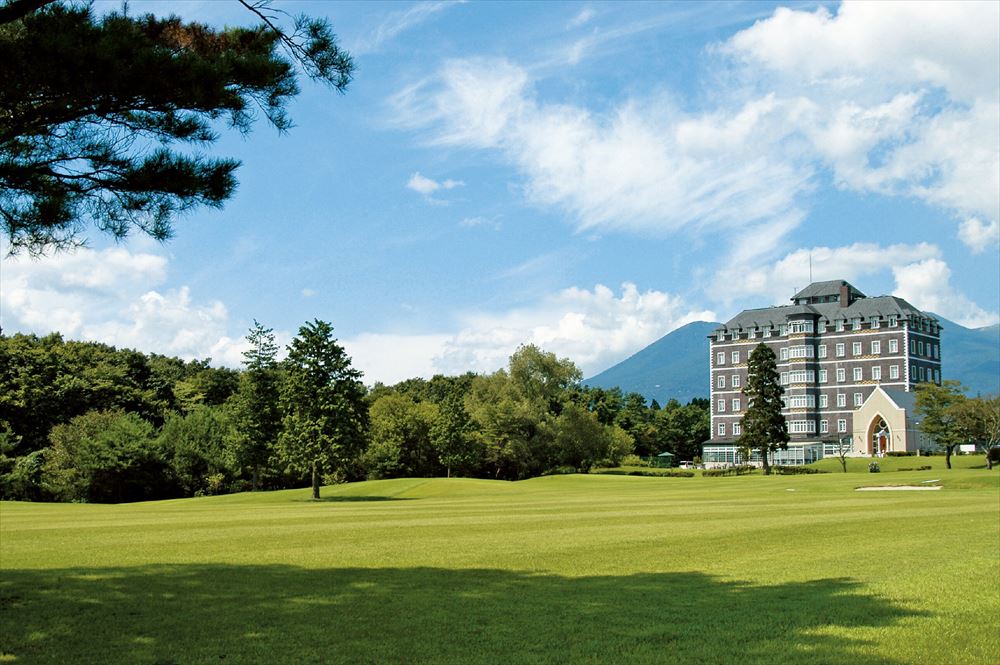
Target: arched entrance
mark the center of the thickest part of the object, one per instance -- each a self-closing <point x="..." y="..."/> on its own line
<point x="879" y="437"/>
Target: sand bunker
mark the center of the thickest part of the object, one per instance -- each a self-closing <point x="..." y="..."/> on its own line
<point x="889" y="488"/>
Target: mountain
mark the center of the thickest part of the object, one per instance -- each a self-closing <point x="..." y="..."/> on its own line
<point x="676" y="365"/>
<point x="971" y="356"/>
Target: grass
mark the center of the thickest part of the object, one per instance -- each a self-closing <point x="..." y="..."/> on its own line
<point x="564" y="569"/>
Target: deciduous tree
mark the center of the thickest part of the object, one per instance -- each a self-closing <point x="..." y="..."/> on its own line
<point x="938" y="407"/>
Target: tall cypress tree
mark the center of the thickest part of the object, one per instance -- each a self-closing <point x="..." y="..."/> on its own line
<point x="764" y="428"/>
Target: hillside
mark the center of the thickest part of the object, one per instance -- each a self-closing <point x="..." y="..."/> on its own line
<point x="676" y="365"/>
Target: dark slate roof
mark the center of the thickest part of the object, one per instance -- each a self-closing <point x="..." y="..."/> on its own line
<point x="829" y="311"/>
<point x="903" y="399"/>
<point x="829" y="288"/>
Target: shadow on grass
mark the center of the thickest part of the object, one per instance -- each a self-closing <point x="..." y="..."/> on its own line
<point x="283" y="614"/>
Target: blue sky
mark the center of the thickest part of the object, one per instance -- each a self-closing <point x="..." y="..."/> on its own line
<point x="582" y="176"/>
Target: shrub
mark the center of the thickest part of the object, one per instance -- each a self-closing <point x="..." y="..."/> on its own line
<point x="729" y="471"/>
<point x="874" y="467"/>
<point x="926" y="467"/>
<point x="900" y="453"/>
<point x="633" y="460"/>
<point x="796" y="470"/>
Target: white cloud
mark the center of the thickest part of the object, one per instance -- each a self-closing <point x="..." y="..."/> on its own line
<point x="902" y="95"/>
<point x="473" y="222"/>
<point x="426" y="186"/>
<point x="781" y="279"/>
<point x="582" y="18"/>
<point x="644" y="166"/>
<point x="927" y="285"/>
<point x="111" y="296"/>
<point x="594" y="328"/>
<point x="391" y="358"/>
<point x="398" y="22"/>
<point x="881" y="95"/>
<point x="309" y="293"/>
<point x="979" y="236"/>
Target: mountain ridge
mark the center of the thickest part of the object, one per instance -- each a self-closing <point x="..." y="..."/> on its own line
<point x="676" y="365"/>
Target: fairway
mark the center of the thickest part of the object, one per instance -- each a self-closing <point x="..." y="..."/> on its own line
<point x="566" y="569"/>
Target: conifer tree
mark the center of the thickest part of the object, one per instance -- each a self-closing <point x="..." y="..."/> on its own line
<point x="764" y="428"/>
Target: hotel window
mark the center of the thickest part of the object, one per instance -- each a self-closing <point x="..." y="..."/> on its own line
<point x="720" y="358"/>
<point x="720" y="382"/>
<point x="923" y="373"/>
<point x="840" y="350"/>
<point x="893" y="346"/>
<point x="841" y="375"/>
<point x="876" y="373"/>
<point x="735" y="357"/>
<point x="802" y="401"/>
<point x="721" y="407"/>
<point x="893" y="371"/>
<point x="913" y="372"/>
<point x="782" y="330"/>
<point x="842" y="425"/>
<point x="822" y="376"/>
<point x="893" y="321"/>
<point x="802" y="376"/>
<point x="821" y="351"/>
<point x="841" y="400"/>
<point x="824" y="426"/>
<point x="857" y="374"/>
<point x="920" y="348"/>
<point x="856" y="323"/>
<point x="736" y="405"/>
<point x="736" y="381"/>
<point x="767" y="332"/>
<point x="752" y="334"/>
<point x="802" y="351"/>
<point x="802" y="426"/>
<point x="840" y="325"/>
<point x="722" y="429"/>
<point x="720" y="337"/>
<point x="856" y="349"/>
<point x="736" y="429"/>
<point x="858" y="399"/>
<point x="783" y="353"/>
<point x="936" y="351"/>
<point x="874" y="321"/>
<point x="823" y="401"/>
<point x="784" y="378"/>
<point x="876" y="348"/>
<point x="913" y="346"/>
<point x="800" y="326"/>
<point x="821" y="327"/>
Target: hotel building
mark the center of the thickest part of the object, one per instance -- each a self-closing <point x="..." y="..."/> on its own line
<point x="848" y="364"/>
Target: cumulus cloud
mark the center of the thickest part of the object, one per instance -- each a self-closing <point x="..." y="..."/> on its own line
<point x="112" y="296"/>
<point x="427" y="186"/>
<point x="978" y="235"/>
<point x="781" y="279"/>
<point x="594" y="328"/>
<point x="927" y="285"/>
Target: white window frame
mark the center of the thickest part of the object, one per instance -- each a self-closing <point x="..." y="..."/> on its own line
<point x="721" y="429"/>
<point x="893" y="372"/>
<point x="735" y="382"/>
<point x="856" y="349"/>
<point x="735" y="404"/>
<point x="841" y="400"/>
<point x="822" y="376"/>
<point x="821" y="351"/>
<point x="893" y="346"/>
<point x="720" y="358"/>
<point x="734" y="357"/>
<point x="859" y="399"/>
<point x="720" y="381"/>
<point x="783" y="353"/>
<point x="876" y="373"/>
<point x="841" y="375"/>
<point x="893" y="321"/>
<point x="875" y="322"/>
<point x="839" y="325"/>
<point x="824" y="426"/>
<point x="876" y="348"/>
<point x="841" y="424"/>
<point x="840" y="350"/>
<point x="856" y="323"/>
<point x="858" y="374"/>
<point x="824" y="401"/>
<point x="737" y="429"/>
<point x="720" y="406"/>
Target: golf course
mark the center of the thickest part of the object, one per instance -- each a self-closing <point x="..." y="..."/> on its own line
<point x="559" y="569"/>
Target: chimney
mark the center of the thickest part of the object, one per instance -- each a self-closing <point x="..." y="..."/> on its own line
<point x="845" y="296"/>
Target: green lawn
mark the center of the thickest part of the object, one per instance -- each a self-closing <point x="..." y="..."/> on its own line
<point x="568" y="569"/>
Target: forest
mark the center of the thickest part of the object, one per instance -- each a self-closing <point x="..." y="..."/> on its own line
<point x="86" y="422"/>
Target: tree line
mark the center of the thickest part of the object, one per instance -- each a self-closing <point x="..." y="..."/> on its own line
<point x="84" y="421"/>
